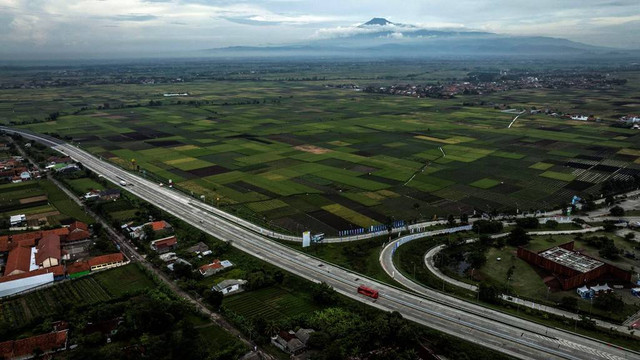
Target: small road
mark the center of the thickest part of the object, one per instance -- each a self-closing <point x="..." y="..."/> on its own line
<point x="429" y="261"/>
<point x="133" y="255"/>
<point x="515" y="118"/>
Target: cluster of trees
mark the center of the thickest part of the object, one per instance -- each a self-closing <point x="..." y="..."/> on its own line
<point x="154" y="325"/>
<point x="615" y="186"/>
<point x="487" y="226"/>
<point x="344" y="328"/>
<point x="606" y="246"/>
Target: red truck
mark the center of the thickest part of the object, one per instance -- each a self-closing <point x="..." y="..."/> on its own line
<point x="367" y="291"/>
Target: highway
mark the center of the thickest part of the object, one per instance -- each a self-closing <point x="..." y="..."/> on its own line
<point x="500" y="332"/>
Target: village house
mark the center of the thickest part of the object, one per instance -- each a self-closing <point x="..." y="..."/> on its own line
<point x="288" y="342"/>
<point x="15" y="220"/>
<point x="231" y="286"/>
<point x="25" y="348"/>
<point x="198" y="248"/>
<point x="48" y="251"/>
<point x="165" y="244"/>
<point x="108" y="261"/>
<point x="109" y="195"/>
<point x="215" y="267"/>
<point x="78" y="231"/>
<point x="160" y="227"/>
<point x="178" y="261"/>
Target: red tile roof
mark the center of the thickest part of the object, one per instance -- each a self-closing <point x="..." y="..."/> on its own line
<point x="19" y="259"/>
<point x="214" y="265"/>
<point x="78" y="234"/>
<point x="78" y="225"/>
<point x="48" y="247"/>
<point x="159" y="225"/>
<point x="30" y="236"/>
<point x="24" y="347"/>
<point x="78" y="266"/>
<point x="165" y="242"/>
<point x="106" y="259"/>
<point x="63" y="231"/>
<point x="4" y="243"/>
<point x="56" y="270"/>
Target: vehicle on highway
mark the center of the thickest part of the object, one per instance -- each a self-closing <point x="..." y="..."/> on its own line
<point x="123" y="183"/>
<point x="367" y="291"/>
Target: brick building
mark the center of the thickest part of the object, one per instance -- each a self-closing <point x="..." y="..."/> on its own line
<point x="571" y="268"/>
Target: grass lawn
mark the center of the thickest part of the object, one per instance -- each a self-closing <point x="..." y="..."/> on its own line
<point x="122" y="280"/>
<point x="524" y="282"/>
<point x="272" y="303"/>
<point x="63" y="203"/>
<point x="82" y="185"/>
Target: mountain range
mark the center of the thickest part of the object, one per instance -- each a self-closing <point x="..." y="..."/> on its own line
<point x="381" y="38"/>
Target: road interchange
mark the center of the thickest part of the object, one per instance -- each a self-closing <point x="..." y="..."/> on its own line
<point x="507" y="334"/>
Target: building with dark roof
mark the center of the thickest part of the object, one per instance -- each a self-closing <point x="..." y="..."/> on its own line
<point x="18" y="261"/>
<point x="165" y="244"/>
<point x="48" y="251"/>
<point x="78" y="231"/>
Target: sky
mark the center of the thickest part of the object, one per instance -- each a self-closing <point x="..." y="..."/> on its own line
<point x="125" y="27"/>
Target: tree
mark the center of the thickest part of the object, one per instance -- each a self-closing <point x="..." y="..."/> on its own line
<point x="477" y="257"/>
<point x="609" y="250"/>
<point x="149" y="234"/>
<point x="488" y="292"/>
<point x="485" y="240"/>
<point x="518" y="237"/>
<point x="569" y="303"/>
<point x="464" y="218"/>
<point x="528" y="223"/>
<point x="323" y="294"/>
<point x="451" y="220"/>
<point x="182" y="270"/>
<point x="629" y="236"/>
<point x="608" y="302"/>
<point x="552" y="224"/>
<point x="487" y="226"/>
<point x="616" y="211"/>
<point x="510" y="272"/>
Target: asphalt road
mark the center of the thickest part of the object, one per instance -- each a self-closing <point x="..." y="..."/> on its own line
<point x="513" y="336"/>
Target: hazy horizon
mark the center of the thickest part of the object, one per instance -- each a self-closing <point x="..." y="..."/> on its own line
<point x="128" y="28"/>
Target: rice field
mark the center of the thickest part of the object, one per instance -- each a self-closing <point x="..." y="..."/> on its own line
<point x="300" y="156"/>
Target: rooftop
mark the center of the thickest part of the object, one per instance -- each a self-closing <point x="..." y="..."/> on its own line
<point x="571" y="259"/>
<point x="106" y="259"/>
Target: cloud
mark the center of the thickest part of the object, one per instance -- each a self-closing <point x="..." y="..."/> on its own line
<point x="358" y="29"/>
<point x="133" y="17"/>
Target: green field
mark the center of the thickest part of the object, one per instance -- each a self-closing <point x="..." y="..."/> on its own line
<point x="272" y="303"/>
<point x="89" y="290"/>
<point x="56" y="201"/>
<point x="299" y="155"/>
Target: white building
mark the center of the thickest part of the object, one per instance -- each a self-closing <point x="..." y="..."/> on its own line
<point x="17" y="219"/>
<point x="227" y="287"/>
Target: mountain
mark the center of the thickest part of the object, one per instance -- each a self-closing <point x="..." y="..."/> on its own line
<point x="377" y="21"/>
<point x="381" y="38"/>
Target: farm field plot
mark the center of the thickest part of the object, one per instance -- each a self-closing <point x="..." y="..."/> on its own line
<point x="301" y="156"/>
<point x="271" y="303"/>
<point x="41" y="201"/>
<point x="48" y="301"/>
<point x="88" y="290"/>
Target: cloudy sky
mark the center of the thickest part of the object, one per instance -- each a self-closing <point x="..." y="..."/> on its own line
<point x="125" y="27"/>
